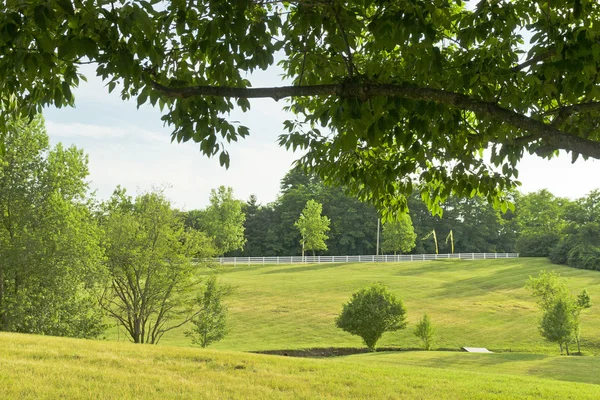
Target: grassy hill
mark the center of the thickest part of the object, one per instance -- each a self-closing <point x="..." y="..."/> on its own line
<point x="472" y="303"/>
<point x="37" y="367"/>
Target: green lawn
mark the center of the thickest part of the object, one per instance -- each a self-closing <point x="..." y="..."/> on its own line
<point x="472" y="303"/>
<point x="38" y="367"/>
<point x="573" y="369"/>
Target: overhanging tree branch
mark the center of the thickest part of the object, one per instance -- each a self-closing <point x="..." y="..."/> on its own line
<point x="550" y="134"/>
<point x="533" y="60"/>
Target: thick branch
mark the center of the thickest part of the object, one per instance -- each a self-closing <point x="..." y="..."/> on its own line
<point x="576" y="108"/>
<point x="551" y="135"/>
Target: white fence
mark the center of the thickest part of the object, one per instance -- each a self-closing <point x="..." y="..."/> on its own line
<point x="354" y="259"/>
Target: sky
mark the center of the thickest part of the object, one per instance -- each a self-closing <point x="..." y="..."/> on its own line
<point x="130" y="147"/>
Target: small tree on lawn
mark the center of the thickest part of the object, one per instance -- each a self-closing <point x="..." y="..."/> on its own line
<point x="549" y="289"/>
<point x="558" y="323"/>
<point x="583" y="302"/>
<point x="210" y="323"/>
<point x="313" y="227"/>
<point x="425" y="331"/>
<point x="370" y="313"/>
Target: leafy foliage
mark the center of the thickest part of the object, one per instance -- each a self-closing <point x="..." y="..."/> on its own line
<point x="425" y="331"/>
<point x="399" y="235"/>
<point x="210" y="323"/>
<point x="223" y="220"/>
<point x="558" y="323"/>
<point x="149" y="258"/>
<point x="540" y="218"/>
<point x="50" y="259"/>
<point x="370" y="313"/>
<point x="561" y="310"/>
<point x="313" y="227"/>
<point x="390" y="97"/>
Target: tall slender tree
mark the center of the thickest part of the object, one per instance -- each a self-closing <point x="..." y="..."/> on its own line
<point x="313" y="227"/>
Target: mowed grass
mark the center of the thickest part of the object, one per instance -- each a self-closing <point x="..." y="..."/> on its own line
<point x="479" y="303"/>
<point x="37" y="367"/>
<point x="573" y="369"/>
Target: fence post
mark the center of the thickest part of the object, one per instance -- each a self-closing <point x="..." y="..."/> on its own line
<point x="346" y="258"/>
<point x="234" y="261"/>
<point x="277" y="260"/>
<point x="263" y="261"/>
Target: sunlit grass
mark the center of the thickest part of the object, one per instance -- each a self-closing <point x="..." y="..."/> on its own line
<point x="472" y="303"/>
<point x="37" y="367"/>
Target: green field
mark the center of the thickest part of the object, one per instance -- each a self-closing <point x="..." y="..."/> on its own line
<point x="36" y="367"/>
<point x="472" y="303"/>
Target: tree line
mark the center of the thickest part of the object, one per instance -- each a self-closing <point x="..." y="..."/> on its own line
<point x="538" y="225"/>
<point x="69" y="262"/>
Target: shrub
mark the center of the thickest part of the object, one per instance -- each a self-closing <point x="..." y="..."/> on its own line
<point x="584" y="256"/>
<point x="370" y="313"/>
<point x="425" y="331"/>
<point x="210" y="321"/>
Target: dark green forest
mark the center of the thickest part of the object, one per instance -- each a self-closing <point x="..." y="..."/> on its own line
<point x="541" y="225"/>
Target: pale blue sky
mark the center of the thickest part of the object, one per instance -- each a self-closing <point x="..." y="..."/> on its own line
<point x="131" y="148"/>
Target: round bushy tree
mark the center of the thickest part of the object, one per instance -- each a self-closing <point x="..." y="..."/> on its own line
<point x="370" y="313"/>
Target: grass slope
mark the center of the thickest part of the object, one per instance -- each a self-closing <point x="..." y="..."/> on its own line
<point x="472" y="303"/>
<point x="572" y="369"/>
<point x="37" y="367"/>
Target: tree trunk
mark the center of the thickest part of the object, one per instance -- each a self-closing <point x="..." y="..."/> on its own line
<point x="578" y="348"/>
<point x="313" y="253"/>
<point x="567" y="348"/>
<point x="561" y="348"/>
<point x="2" y="311"/>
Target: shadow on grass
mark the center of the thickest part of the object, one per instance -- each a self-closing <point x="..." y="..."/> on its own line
<point x="502" y="279"/>
<point x="323" y="352"/>
<point x="308" y="267"/>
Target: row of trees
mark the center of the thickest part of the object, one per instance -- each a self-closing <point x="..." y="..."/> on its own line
<point x="67" y="262"/>
<point x="539" y="223"/>
<point x="567" y="231"/>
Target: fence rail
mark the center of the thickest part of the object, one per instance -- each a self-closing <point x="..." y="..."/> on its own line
<point x="354" y="259"/>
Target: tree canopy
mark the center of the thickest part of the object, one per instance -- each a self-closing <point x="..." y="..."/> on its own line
<point x="390" y="96"/>
<point x="313" y="227"/>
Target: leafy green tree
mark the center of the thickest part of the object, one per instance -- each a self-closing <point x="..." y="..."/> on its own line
<point x="224" y="220"/>
<point x="550" y="289"/>
<point x="558" y="323"/>
<point x="149" y="258"/>
<point x="541" y="221"/>
<point x="547" y="288"/>
<point x="579" y="245"/>
<point x="50" y="259"/>
<point x="313" y="227"/>
<point x="399" y="235"/>
<point x="370" y="313"/>
<point x="410" y="93"/>
<point x="425" y="331"/>
<point x="210" y="323"/>
<point x="583" y="302"/>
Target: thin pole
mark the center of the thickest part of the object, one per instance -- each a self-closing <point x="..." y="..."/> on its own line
<point x="377" y="249"/>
